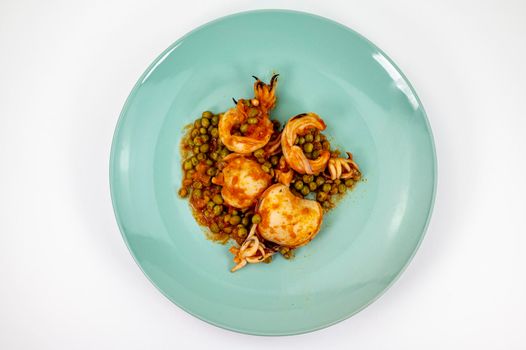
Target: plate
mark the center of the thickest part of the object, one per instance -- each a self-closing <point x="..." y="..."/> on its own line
<point x="370" y="109"/>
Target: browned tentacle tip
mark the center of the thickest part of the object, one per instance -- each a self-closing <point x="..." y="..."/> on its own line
<point x="274" y="79"/>
<point x="257" y="79"/>
<point x="235" y="102"/>
<point x="299" y="116"/>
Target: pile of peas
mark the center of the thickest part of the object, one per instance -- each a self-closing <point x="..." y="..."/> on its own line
<point x="312" y="143"/>
<point x="323" y="190"/>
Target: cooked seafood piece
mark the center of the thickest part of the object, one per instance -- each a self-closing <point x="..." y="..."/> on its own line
<point x="288" y="220"/>
<point x="250" y="118"/>
<point x="293" y="153"/>
<point x="343" y="168"/>
<point x="243" y="181"/>
<point x="252" y="251"/>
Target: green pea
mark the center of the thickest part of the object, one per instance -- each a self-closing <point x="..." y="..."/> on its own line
<point x="312" y="186"/>
<point x="202" y="131"/>
<point x="205" y="138"/>
<point x="309" y="138"/>
<point x="218" y="199"/>
<point x="204" y="148"/>
<point x="234" y="220"/>
<point x="259" y="153"/>
<point x="315" y="154"/>
<point x="215" y="120"/>
<point x="301" y="140"/>
<point x="207" y="114"/>
<point x="197" y="185"/>
<point x="235" y="212"/>
<point x="337" y="181"/>
<point x="214" y="228"/>
<point x="308" y="147"/>
<point x="305" y="190"/>
<point x="197" y="193"/>
<point x="298" y="185"/>
<point x="218" y="209"/>
<point x="326" y="188"/>
<point x="256" y="219"/>
<point x="201" y="156"/>
<point x="227" y="230"/>
<point x="321" y="196"/>
<point x="205" y="122"/>
<point x="252" y="121"/>
<point x="261" y="160"/>
<point x="320" y="180"/>
<point x="242" y="232"/>
<point x="349" y="182"/>
<point x="214" y="132"/>
<point x="194" y="161"/>
<point x="252" y="112"/>
<point x="342" y="188"/>
<point x="274" y="160"/>
<point x="265" y="168"/>
<point x="195" y="132"/>
<point x="243" y="128"/>
<point x="334" y="189"/>
<point x="326" y="204"/>
<point x="223" y="153"/>
<point x="317" y="138"/>
<point x="190" y="173"/>
<point x="209" y="162"/>
<point x="188" y="165"/>
<point x="211" y="171"/>
<point x="196" y="149"/>
<point x="197" y="123"/>
<point x="308" y="178"/>
<point x="190" y="143"/>
<point x="214" y="155"/>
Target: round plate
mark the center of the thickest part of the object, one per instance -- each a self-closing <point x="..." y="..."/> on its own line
<point x="370" y="109"/>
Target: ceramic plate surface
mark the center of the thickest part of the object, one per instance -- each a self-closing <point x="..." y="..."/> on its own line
<point x="370" y="109"/>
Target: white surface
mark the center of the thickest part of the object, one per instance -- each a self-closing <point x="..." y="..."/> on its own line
<point x="67" y="280"/>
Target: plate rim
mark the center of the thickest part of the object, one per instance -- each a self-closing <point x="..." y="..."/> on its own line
<point x="120" y="122"/>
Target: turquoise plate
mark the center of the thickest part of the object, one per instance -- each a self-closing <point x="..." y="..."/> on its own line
<point x="370" y="109"/>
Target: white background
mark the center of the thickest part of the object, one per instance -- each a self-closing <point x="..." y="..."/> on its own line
<point x="67" y="280"/>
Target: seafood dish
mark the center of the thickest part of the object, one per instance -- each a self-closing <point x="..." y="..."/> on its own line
<point x="262" y="186"/>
